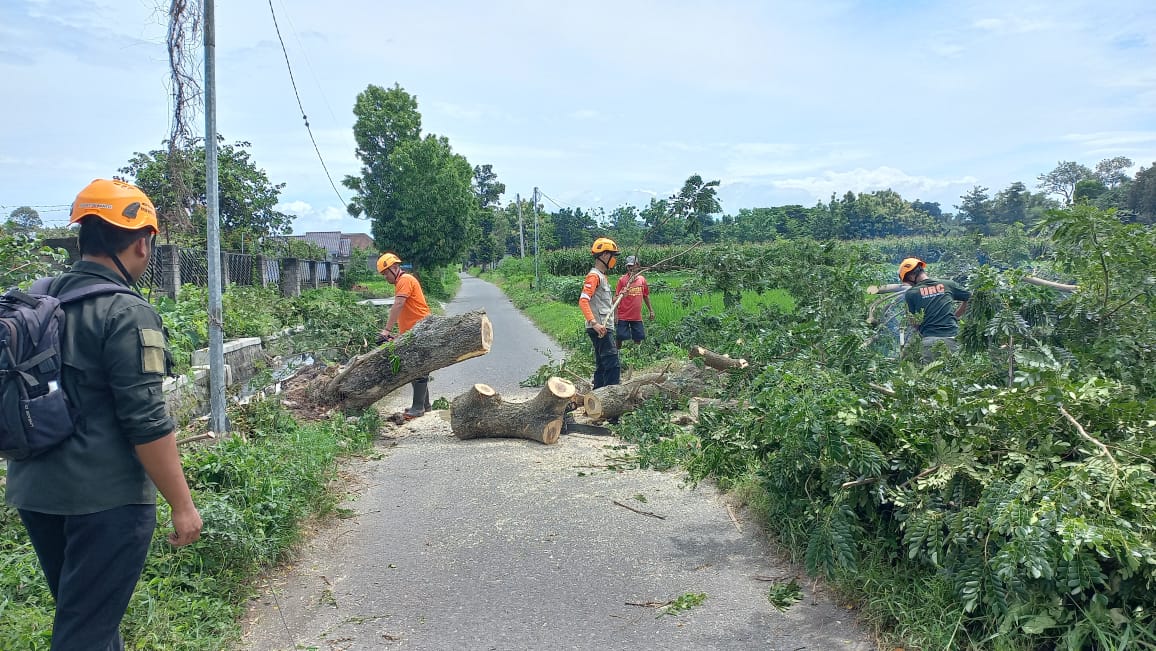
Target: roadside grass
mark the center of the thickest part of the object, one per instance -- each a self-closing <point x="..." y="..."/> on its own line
<point x="254" y="490"/>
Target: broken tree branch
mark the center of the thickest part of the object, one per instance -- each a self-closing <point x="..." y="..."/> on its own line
<point x="631" y="508"/>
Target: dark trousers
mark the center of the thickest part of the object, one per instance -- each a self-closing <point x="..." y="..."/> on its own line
<point x="606" y="368"/>
<point x="92" y="564"/>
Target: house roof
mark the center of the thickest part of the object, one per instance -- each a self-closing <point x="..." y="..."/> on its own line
<point x="337" y="243"/>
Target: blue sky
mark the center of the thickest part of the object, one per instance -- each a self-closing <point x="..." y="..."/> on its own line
<point x="601" y="103"/>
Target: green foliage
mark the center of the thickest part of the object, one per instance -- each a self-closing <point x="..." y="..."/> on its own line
<point x="1001" y="497"/>
<point x="23" y="220"/>
<point x="417" y="191"/>
<point x="360" y="269"/>
<point x="23" y="259"/>
<point x="336" y="326"/>
<point x="683" y="603"/>
<point x="253" y="490"/>
<point x="430" y="203"/>
<point x="783" y="595"/>
<point x="247" y="199"/>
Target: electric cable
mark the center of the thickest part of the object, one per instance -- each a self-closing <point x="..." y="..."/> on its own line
<point x="304" y="117"/>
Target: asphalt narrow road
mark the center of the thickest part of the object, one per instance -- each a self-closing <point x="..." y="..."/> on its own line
<point x="509" y="544"/>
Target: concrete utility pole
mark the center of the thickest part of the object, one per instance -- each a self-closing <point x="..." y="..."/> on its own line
<point x="217" y="420"/>
<point x="521" y="231"/>
<point x="537" y="276"/>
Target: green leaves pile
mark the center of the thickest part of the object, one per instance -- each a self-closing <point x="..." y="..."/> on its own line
<point x="1012" y="485"/>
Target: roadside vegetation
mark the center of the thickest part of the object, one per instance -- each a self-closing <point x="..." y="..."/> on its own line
<point x="1001" y="498"/>
<point x="257" y="491"/>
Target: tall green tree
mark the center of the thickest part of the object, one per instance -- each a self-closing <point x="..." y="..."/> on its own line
<point x="1011" y="204"/>
<point x="24" y="219"/>
<point x="695" y="206"/>
<point x="429" y="205"/>
<point x="1063" y="179"/>
<point x="386" y="118"/>
<point x="975" y="210"/>
<point x="573" y="227"/>
<point x="1113" y="172"/>
<point x="247" y="199"/>
<point x="1142" y="195"/>
<point x="627" y="226"/>
<point x="487" y="187"/>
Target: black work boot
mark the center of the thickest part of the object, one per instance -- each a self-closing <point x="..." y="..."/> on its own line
<point x="420" y="398"/>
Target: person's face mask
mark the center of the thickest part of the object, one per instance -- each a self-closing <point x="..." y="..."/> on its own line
<point x="613" y="261"/>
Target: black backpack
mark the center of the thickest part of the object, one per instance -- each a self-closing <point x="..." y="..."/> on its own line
<point x="34" y="413"/>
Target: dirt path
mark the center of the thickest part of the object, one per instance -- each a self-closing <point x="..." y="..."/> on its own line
<point x="508" y="544"/>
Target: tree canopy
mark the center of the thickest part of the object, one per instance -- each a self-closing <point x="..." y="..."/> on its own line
<point x="24" y="219"/>
<point x="247" y="199"/>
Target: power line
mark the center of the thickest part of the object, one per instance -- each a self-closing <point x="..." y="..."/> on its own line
<point x="560" y="207"/>
<point x="39" y="207"/>
<point x="304" y="117"/>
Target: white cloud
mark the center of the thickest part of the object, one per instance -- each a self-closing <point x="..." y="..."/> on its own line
<point x="585" y="114"/>
<point x="869" y="180"/>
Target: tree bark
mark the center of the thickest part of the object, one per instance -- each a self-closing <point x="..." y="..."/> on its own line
<point x="435" y="342"/>
<point x="716" y="361"/>
<point x="482" y="413"/>
<point x="612" y="401"/>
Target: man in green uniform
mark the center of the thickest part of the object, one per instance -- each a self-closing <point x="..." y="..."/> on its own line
<point x="89" y="504"/>
<point x="934" y="300"/>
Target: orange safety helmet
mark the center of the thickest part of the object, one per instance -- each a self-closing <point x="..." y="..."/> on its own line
<point x="386" y="261"/>
<point x="118" y="203"/>
<point x="604" y="245"/>
<point x="908" y="265"/>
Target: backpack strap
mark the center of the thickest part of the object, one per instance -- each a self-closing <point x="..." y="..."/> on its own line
<point x="88" y="291"/>
<point x="41" y="285"/>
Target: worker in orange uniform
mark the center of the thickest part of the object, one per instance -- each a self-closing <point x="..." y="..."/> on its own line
<point x="409" y="307"/>
<point x="597" y="305"/>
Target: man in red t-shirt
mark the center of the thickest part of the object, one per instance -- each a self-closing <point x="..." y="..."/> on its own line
<point x="634" y="293"/>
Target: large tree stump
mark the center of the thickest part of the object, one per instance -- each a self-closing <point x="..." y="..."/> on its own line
<point x="435" y="342"/>
<point x="482" y="413"/>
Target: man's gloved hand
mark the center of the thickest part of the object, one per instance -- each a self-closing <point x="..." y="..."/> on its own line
<point x="384" y="337"/>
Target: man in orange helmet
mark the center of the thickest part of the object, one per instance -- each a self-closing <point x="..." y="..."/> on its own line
<point x="409" y="307"/>
<point x="89" y="503"/>
<point x="933" y="301"/>
<point x="597" y="305"/>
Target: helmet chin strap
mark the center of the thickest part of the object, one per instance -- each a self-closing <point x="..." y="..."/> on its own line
<point x="124" y="272"/>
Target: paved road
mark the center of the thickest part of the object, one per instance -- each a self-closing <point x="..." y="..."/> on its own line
<point x="508" y="544"/>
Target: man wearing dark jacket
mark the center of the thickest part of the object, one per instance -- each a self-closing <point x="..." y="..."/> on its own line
<point x="89" y="503"/>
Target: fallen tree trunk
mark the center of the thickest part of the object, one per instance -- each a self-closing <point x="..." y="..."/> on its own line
<point x="482" y="413"/>
<point x="435" y="342"/>
<point x="716" y="361"/>
<point x="612" y="401"/>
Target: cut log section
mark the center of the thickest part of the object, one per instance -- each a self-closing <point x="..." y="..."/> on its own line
<point x="612" y="401"/>
<point x="482" y="413"/>
<point x="435" y="342"/>
<point x="716" y="361"/>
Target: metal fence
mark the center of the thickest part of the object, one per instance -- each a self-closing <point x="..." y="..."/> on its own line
<point x="172" y="266"/>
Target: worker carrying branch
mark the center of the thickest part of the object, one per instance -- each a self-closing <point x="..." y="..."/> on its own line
<point x="934" y="300"/>
<point x="597" y="305"/>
